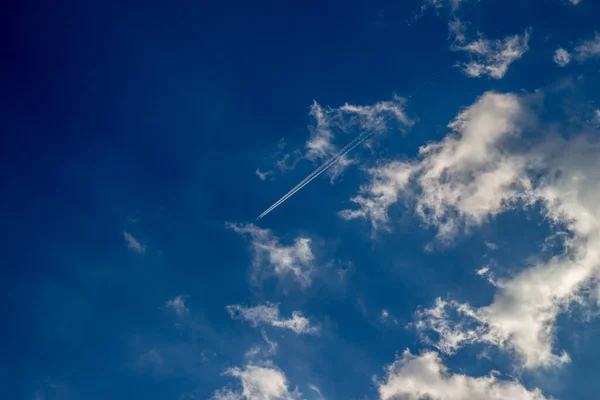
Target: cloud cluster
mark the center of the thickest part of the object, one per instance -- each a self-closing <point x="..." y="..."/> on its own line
<point x="587" y="49"/>
<point x="425" y="376"/>
<point x="268" y="314"/>
<point x="477" y="172"/>
<point x="271" y="258"/>
<point x="258" y="382"/>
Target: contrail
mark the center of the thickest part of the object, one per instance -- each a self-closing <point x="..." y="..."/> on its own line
<point x="324" y="167"/>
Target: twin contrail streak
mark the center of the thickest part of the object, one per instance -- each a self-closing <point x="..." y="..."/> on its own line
<point x="324" y="167"/>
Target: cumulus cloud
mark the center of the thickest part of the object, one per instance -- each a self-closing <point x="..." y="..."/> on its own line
<point x="588" y="49"/>
<point x="493" y="57"/>
<point x="562" y="57"/>
<point x="271" y="258"/>
<point x="459" y="181"/>
<point x="268" y="314"/>
<point x="133" y="244"/>
<point x="523" y="314"/>
<point x="413" y="377"/>
<point x="258" y="382"/>
<point x="478" y="171"/>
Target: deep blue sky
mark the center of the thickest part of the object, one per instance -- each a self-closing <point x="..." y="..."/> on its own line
<point x="152" y="117"/>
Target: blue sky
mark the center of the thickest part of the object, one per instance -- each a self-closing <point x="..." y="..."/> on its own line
<point x="452" y="255"/>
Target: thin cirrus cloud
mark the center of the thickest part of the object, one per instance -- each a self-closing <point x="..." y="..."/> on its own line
<point x="268" y="314"/>
<point x="493" y="57"/>
<point x="477" y="172"/>
<point x="588" y="48"/>
<point x="417" y="377"/>
<point x="490" y="58"/>
<point x="271" y="258"/>
<point x="328" y="122"/>
<point x="258" y="351"/>
<point x="321" y="144"/>
<point x="456" y="28"/>
<point x="133" y="244"/>
<point x="177" y="305"/>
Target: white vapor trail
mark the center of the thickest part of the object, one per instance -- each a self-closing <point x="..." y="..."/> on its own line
<point x="324" y="167"/>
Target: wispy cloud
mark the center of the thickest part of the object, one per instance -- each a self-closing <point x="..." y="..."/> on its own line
<point x="487" y="57"/>
<point x="259" y="351"/>
<point x="387" y="318"/>
<point x="588" y="48"/>
<point x="493" y="57"/>
<point x="133" y="244"/>
<point x="415" y="377"/>
<point x="263" y="175"/>
<point x="456" y="28"/>
<point x="268" y="314"/>
<point x="328" y="121"/>
<point x="177" y="305"/>
<point x="271" y="258"/>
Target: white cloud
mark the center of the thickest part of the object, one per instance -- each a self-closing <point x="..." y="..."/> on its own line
<point x="387" y="184"/>
<point x="575" y="2"/>
<point x="133" y="244"/>
<point x="317" y="391"/>
<point x="562" y="57"/>
<point x="177" y="305"/>
<point x="478" y="171"/>
<point x="493" y="57"/>
<point x="258" y="382"/>
<point x="457" y="182"/>
<point x="320" y="145"/>
<point x="452" y="4"/>
<point x="268" y="314"/>
<point x="263" y="175"/>
<point x="523" y="314"/>
<point x="425" y="376"/>
<point x="375" y="118"/>
<point x="588" y="49"/>
<point x="385" y="317"/>
<point x="456" y="27"/>
<point x="258" y="350"/>
<point x="273" y="258"/>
